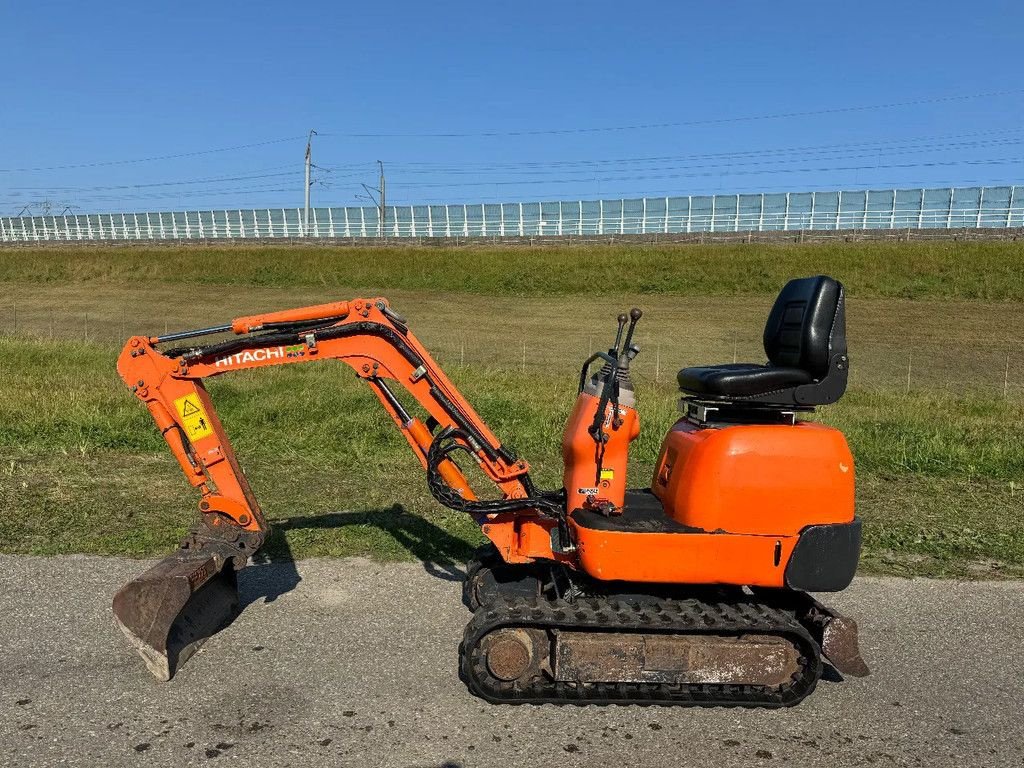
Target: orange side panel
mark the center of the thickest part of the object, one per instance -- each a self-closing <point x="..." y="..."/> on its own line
<point x="757" y="479"/>
<point x="684" y="558"/>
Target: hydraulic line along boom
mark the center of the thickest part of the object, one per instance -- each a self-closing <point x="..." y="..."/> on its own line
<point x="375" y="342"/>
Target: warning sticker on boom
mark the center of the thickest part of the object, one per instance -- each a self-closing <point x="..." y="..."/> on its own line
<point x="193" y="417"/>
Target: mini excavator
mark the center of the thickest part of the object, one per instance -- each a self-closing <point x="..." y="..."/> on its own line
<point x="693" y="591"/>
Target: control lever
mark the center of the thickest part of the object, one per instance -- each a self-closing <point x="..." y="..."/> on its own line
<point x="614" y="351"/>
<point x="610" y="390"/>
<point x="629" y="349"/>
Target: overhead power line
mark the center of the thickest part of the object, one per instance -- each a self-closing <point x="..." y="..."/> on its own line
<point x="876" y="166"/>
<point x="169" y="195"/>
<point x="184" y="182"/>
<point x="679" y="124"/>
<point x="151" y="159"/>
<point x="857" y="149"/>
<point x="588" y="171"/>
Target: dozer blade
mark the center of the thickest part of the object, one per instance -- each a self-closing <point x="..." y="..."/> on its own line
<point x="836" y="634"/>
<point x="840" y="646"/>
<point x="171" y="609"/>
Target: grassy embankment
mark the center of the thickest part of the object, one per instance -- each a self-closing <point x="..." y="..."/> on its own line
<point x="929" y="270"/>
<point x="83" y="470"/>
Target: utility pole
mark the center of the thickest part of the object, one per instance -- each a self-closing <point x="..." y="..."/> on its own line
<point x="383" y="200"/>
<point x="378" y="196"/>
<point x="309" y="163"/>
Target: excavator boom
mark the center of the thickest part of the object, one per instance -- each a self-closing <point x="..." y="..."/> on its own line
<point x="170" y="609"/>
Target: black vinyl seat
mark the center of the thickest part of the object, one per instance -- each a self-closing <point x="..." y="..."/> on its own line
<point x="805" y="341"/>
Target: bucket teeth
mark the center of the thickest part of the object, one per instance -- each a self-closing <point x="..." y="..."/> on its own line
<point x="171" y="609"/>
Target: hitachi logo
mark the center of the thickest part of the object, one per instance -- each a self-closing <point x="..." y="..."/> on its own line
<point x="250" y="356"/>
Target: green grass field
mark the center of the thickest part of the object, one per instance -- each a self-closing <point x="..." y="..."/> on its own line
<point x="940" y="466"/>
<point x="936" y="269"/>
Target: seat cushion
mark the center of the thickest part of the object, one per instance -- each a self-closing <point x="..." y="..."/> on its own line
<point x="740" y="379"/>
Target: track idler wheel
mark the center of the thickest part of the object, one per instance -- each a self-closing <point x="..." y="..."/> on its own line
<point x="510" y="654"/>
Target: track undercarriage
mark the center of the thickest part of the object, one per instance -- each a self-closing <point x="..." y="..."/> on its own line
<point x="545" y="635"/>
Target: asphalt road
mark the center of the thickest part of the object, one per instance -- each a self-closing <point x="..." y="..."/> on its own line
<point x="354" y="663"/>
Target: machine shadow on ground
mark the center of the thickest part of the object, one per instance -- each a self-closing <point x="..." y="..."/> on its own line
<point x="274" y="571"/>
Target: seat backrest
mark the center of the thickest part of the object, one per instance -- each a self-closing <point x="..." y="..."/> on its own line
<point x="807" y="325"/>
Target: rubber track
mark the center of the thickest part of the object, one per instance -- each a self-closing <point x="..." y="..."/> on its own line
<point x="686" y="616"/>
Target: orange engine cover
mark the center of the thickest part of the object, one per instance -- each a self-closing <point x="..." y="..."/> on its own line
<point x="761" y="479"/>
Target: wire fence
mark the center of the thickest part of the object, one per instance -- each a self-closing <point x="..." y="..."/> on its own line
<point x="891" y="209"/>
<point x="885" y="364"/>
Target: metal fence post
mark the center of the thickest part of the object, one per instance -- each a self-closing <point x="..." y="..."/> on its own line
<point x="714" y="199"/>
<point x="839" y="210"/>
<point x="736" y="227"/>
<point x="579" y="222"/>
<point x="892" y="213"/>
<point x="666" y="214"/>
<point x="867" y="206"/>
<point x="600" y="217"/>
<point x="920" y="211"/>
<point x="760" y="218"/>
<point x="1009" y="206"/>
<point x="689" y="213"/>
<point x="785" y="216"/>
<point x="949" y="215"/>
<point x="981" y="206"/>
<point x="811" y="225"/>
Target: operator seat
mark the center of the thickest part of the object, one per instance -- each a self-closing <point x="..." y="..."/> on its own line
<point x="805" y="341"/>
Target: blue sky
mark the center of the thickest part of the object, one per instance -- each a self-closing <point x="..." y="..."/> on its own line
<point x="549" y="100"/>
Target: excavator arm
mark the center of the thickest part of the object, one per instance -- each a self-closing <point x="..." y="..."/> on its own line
<point x="368" y="336"/>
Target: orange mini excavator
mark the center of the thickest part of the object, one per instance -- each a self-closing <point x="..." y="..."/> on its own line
<point x="693" y="591"/>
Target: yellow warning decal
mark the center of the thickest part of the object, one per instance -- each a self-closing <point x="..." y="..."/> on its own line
<point x="193" y="417"/>
<point x="607" y="474"/>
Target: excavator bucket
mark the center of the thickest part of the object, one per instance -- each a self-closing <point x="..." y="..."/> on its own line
<point x="171" y="609"/>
